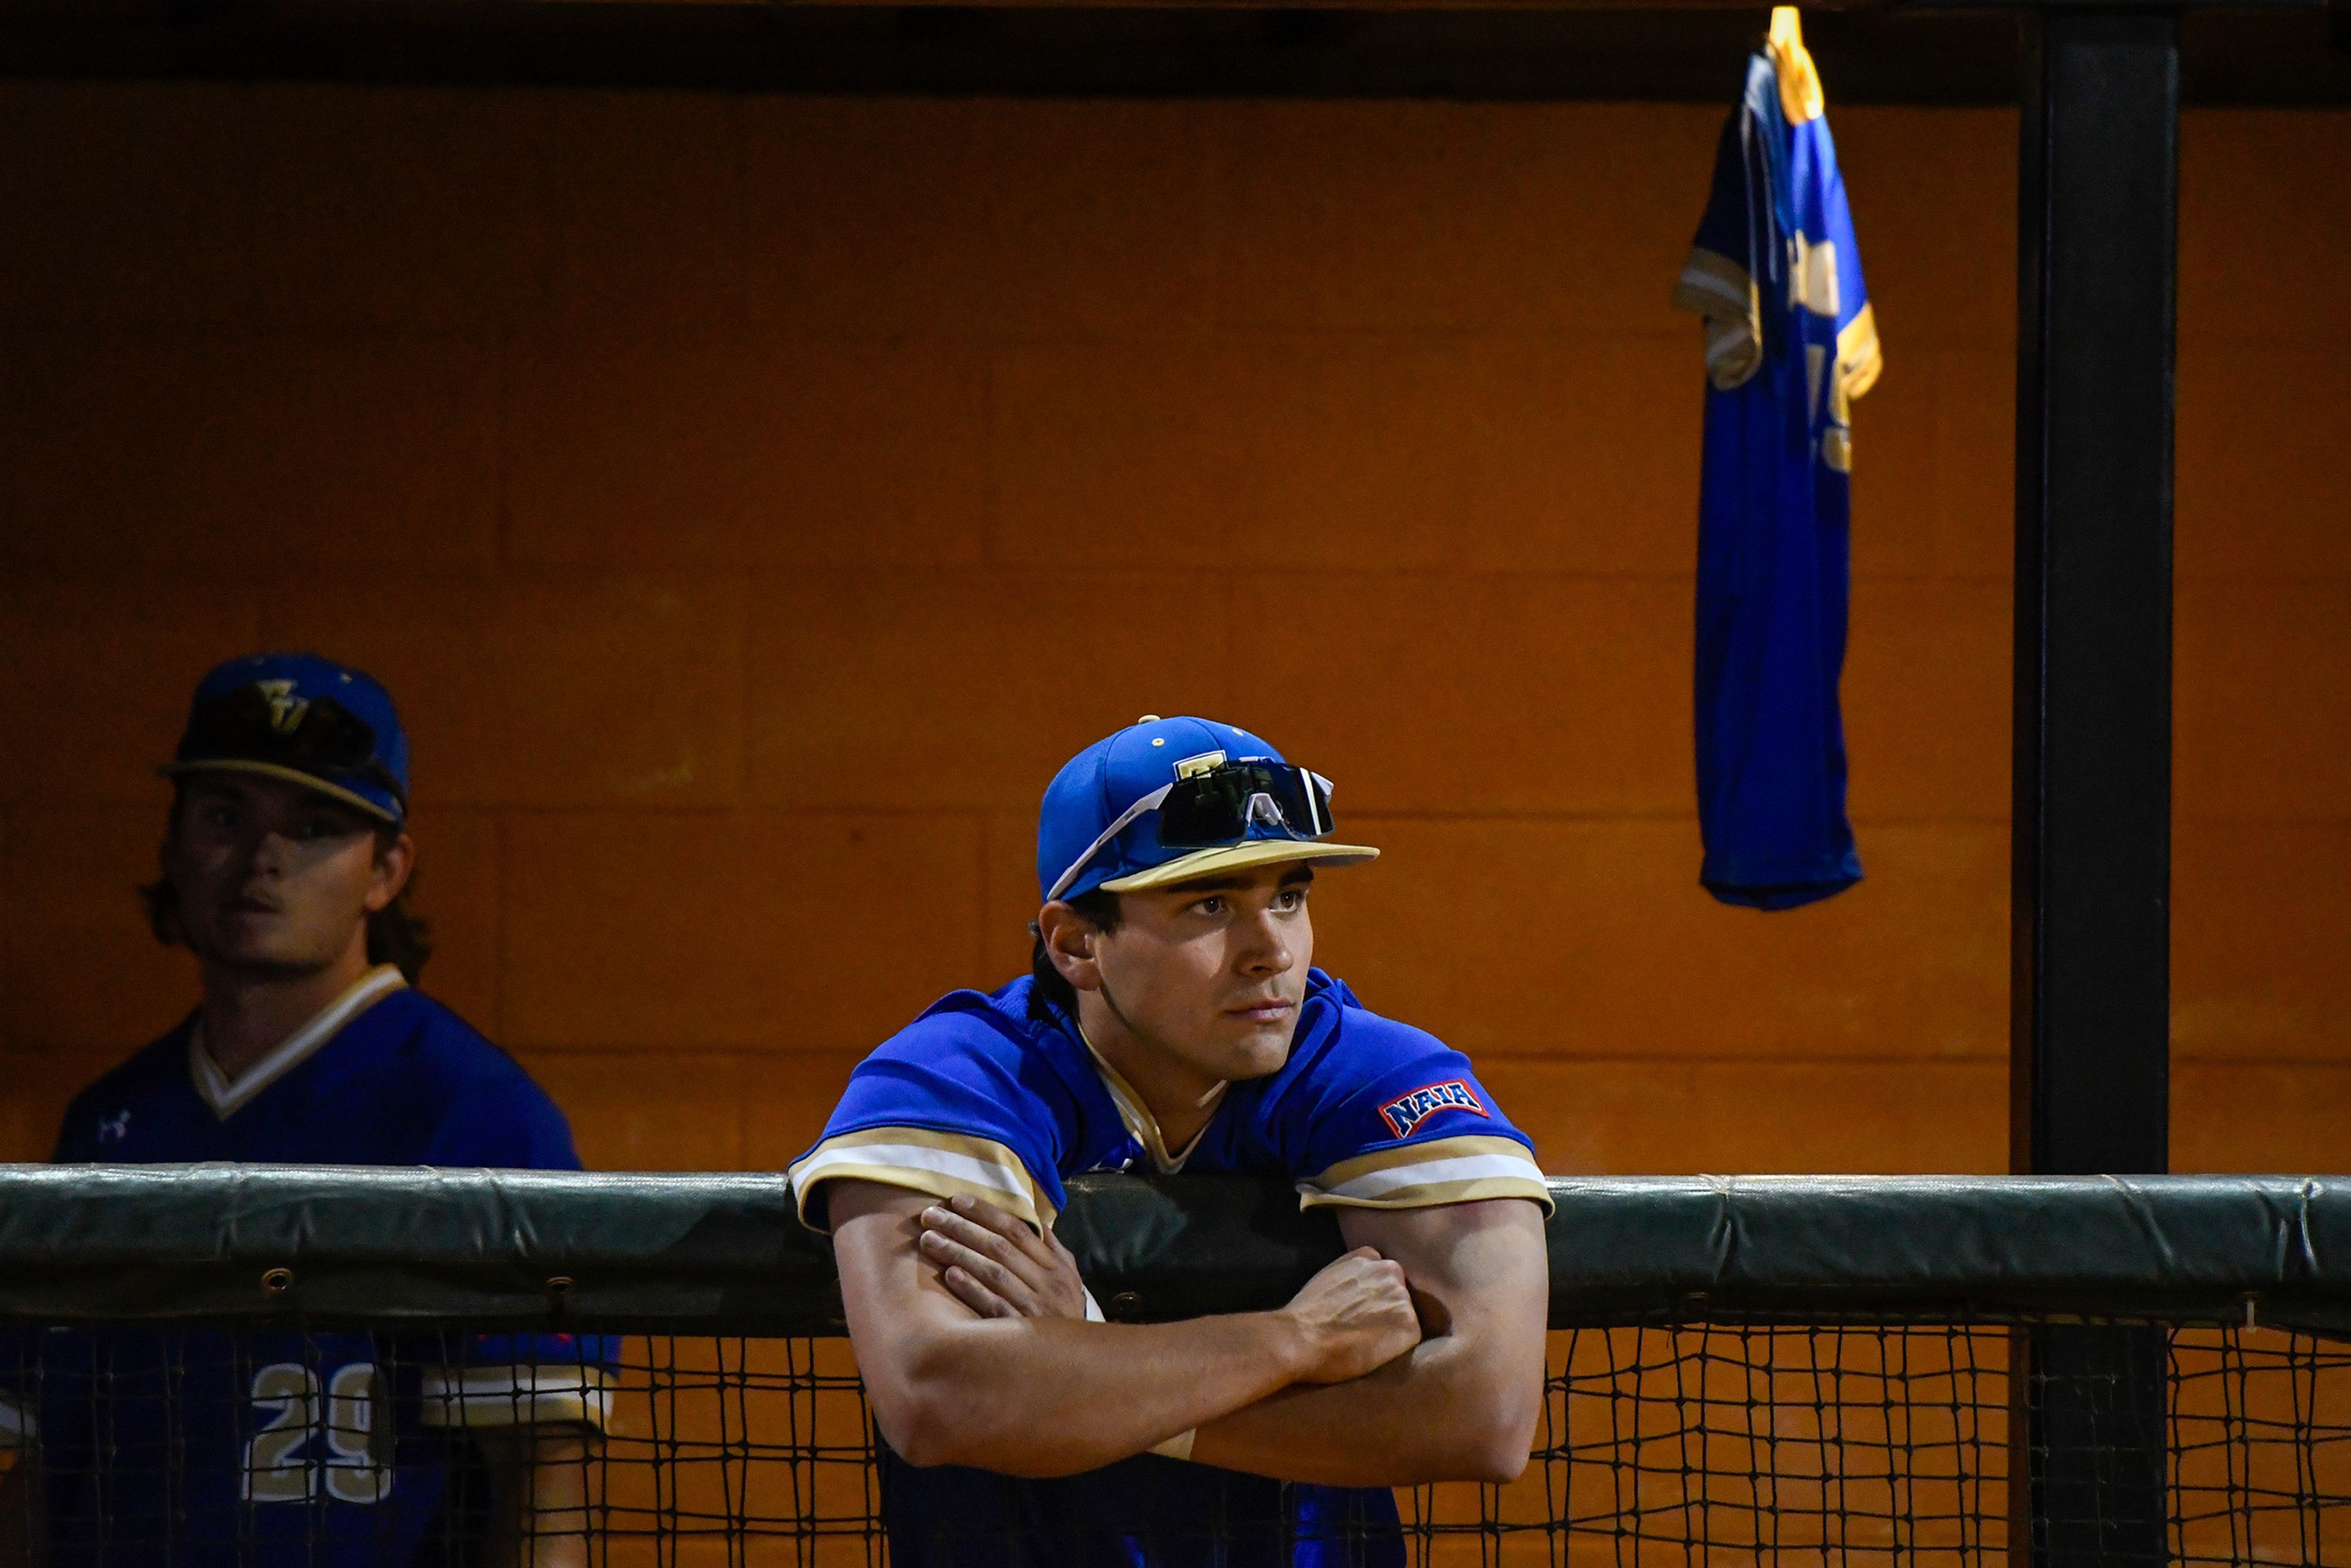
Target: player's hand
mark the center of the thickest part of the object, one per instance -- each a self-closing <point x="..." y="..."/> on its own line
<point x="1357" y="1314"/>
<point x="996" y="1266"/>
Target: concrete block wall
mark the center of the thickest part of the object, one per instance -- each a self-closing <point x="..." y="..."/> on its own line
<point x="753" y="500"/>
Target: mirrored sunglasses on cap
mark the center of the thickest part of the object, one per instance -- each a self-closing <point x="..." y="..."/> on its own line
<point x="1221" y="805"/>
<point x="324" y="738"/>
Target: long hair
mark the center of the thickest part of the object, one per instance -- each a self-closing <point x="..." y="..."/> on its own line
<point x="396" y="934"/>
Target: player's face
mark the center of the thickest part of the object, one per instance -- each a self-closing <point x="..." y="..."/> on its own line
<point x="272" y="878"/>
<point x="1214" y="971"/>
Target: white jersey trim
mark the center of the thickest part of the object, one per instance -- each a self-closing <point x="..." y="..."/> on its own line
<point x="943" y="1164"/>
<point x="20" y="1428"/>
<point x="1720" y="290"/>
<point x="1140" y="1123"/>
<point x="1423" y="1176"/>
<point x="517" y="1396"/>
<point x="227" y="1097"/>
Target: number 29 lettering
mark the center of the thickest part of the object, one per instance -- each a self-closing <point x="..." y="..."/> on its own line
<point x="306" y="1445"/>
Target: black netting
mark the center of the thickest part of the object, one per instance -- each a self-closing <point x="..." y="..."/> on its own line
<point x="1738" y="1441"/>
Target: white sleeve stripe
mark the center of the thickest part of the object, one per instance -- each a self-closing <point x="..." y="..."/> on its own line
<point x="17" y="1425"/>
<point x="592" y="1408"/>
<point x="542" y="1405"/>
<point x="1721" y="287"/>
<point x="915" y="1157"/>
<point x="474" y="1382"/>
<point x="1433" y="1173"/>
<point x="1725" y="339"/>
<point x="516" y="1395"/>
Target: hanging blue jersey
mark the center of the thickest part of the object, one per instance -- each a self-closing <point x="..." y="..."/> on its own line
<point x="993" y="1097"/>
<point x="1790" y="343"/>
<point x="275" y="1449"/>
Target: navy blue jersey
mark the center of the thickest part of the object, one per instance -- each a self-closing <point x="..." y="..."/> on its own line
<point x="993" y="1097"/>
<point x="326" y="1449"/>
<point x="1789" y="342"/>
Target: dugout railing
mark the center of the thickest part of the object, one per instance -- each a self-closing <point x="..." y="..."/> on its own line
<point x="1827" y="1370"/>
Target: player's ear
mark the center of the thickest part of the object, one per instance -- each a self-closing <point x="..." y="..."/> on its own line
<point x="1069" y="938"/>
<point x="395" y="859"/>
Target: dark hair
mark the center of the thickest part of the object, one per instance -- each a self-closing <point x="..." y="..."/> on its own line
<point x="396" y="934"/>
<point x="1098" y="909"/>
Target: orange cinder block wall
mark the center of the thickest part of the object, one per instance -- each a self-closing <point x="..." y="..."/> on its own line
<point x="752" y="500"/>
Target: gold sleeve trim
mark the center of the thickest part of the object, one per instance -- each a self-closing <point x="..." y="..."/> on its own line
<point x="1711" y="284"/>
<point x="1423" y="1176"/>
<point x="942" y="1165"/>
<point x="1465" y="1145"/>
<point x="1836" y="448"/>
<point x="1859" y="358"/>
<point x="1719" y="290"/>
<point x="1437" y="1195"/>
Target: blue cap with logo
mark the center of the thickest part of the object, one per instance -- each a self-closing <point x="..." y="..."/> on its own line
<point x="302" y="718"/>
<point x="1173" y="800"/>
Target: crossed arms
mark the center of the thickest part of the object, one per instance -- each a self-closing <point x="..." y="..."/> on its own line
<point x="1417" y="1357"/>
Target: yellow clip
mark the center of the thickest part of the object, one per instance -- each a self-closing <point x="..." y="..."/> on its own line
<point x="1801" y="99"/>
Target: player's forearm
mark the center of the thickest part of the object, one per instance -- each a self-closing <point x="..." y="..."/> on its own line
<point x="1050" y="1397"/>
<point x="1462" y="1406"/>
<point x="538" y="1483"/>
<point x="1454" y="1409"/>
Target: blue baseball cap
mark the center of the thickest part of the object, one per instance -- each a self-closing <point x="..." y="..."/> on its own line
<point x="1100" y="827"/>
<point x="299" y="718"/>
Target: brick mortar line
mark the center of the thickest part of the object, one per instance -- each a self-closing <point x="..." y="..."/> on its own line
<point x="429" y="808"/>
<point x="508" y="570"/>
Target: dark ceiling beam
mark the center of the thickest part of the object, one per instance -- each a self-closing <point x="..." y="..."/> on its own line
<point x="1683" y="52"/>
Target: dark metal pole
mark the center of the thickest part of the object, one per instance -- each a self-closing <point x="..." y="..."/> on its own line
<point x="2089" y="1071"/>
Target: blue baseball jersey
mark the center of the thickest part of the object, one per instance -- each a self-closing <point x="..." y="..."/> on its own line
<point x="262" y="1449"/>
<point x="1789" y="342"/>
<point x="1001" y="1097"/>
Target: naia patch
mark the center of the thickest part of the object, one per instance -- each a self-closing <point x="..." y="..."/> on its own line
<point x="1410" y="1111"/>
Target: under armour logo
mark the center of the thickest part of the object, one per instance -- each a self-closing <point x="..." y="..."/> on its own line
<point x="286" y="709"/>
<point x="115" y="1128"/>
